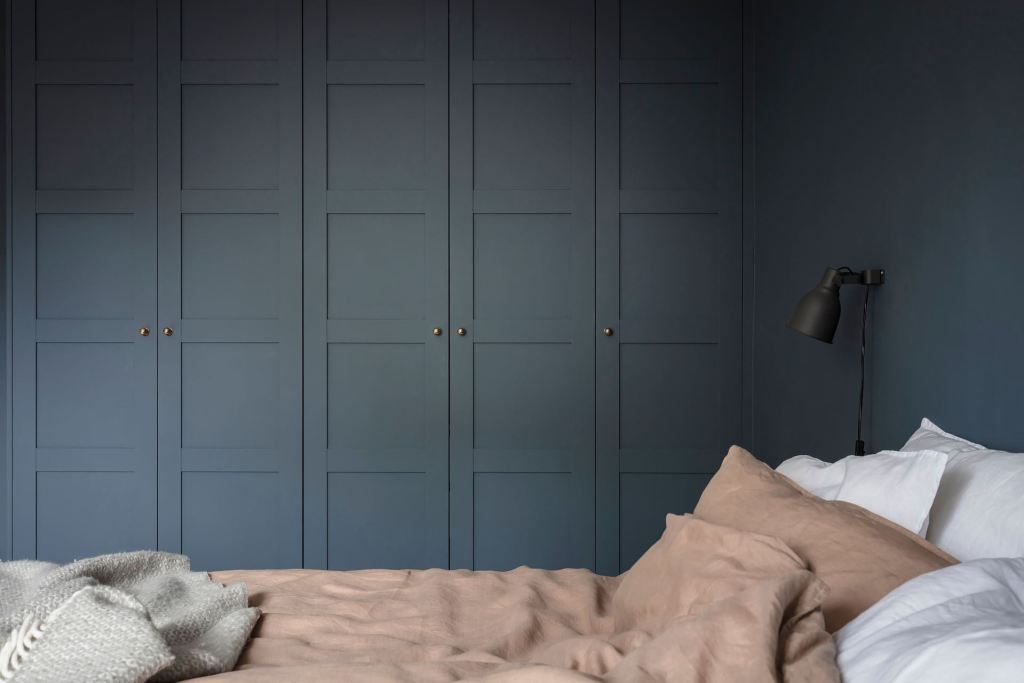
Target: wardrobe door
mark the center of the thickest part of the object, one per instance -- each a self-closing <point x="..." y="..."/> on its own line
<point x="376" y="283"/>
<point x="522" y="282"/>
<point x="669" y="261"/>
<point x="84" y="277"/>
<point x="230" y="282"/>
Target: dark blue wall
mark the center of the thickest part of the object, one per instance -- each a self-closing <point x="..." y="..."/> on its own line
<point x="891" y="134"/>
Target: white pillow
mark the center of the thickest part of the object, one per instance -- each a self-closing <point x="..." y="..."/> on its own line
<point x="961" y="623"/>
<point x="979" y="509"/>
<point x="896" y="485"/>
<point x="931" y="436"/>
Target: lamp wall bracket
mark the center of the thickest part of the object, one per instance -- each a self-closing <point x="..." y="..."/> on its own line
<point x="870" y="277"/>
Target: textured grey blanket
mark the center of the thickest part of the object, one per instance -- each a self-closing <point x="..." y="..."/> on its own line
<point x="121" y="618"/>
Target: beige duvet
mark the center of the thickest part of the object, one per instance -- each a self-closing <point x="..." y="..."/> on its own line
<point x="706" y="603"/>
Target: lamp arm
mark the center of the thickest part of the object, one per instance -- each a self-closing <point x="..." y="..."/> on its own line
<point x="872" y="276"/>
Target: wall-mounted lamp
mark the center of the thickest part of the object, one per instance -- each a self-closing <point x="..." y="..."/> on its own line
<point x="817" y="316"/>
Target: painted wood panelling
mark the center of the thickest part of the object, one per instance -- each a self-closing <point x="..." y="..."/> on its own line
<point x="522" y="283"/>
<point x="669" y="255"/>
<point x="230" y="264"/>
<point x="84" y="278"/>
<point x="376" y="283"/>
<point x="385" y="240"/>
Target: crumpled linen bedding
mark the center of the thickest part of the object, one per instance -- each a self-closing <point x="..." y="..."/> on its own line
<point x="706" y="603"/>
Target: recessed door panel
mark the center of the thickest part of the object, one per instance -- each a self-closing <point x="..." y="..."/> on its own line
<point x="376" y="136"/>
<point x="84" y="395"/>
<point x="230" y="266"/>
<point x="520" y="519"/>
<point x="80" y="137"/>
<point x="380" y="30"/>
<point x="670" y="399"/>
<point x="522" y="392"/>
<point x="84" y="278"/>
<point x="228" y="519"/>
<point x="81" y="514"/>
<point x="230" y="393"/>
<point x="85" y="266"/>
<point x="229" y="30"/>
<point x="376" y="284"/>
<point x="515" y="30"/>
<point x="522" y="245"/>
<point x="669" y="136"/>
<point x="522" y="266"/>
<point x="377" y="519"/>
<point x="376" y="396"/>
<point x="73" y="31"/>
<point x="671" y="30"/>
<point x="230" y="282"/>
<point x="377" y="266"/>
<point x="522" y="136"/>
<point x="230" y="136"/>
<point x="669" y="261"/>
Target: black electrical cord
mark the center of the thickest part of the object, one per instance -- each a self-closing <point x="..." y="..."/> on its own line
<point x="859" y="446"/>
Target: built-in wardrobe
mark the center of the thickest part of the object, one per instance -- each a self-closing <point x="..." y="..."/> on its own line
<point x="372" y="283"/>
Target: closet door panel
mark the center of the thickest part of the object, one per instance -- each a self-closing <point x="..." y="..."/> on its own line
<point x="83" y="276"/>
<point x="522" y="284"/>
<point x="376" y="284"/>
<point x="651" y="495"/>
<point x="91" y="31"/>
<point x="669" y="261"/>
<point x="230" y="282"/>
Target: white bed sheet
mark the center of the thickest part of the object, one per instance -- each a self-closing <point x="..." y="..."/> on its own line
<point x="961" y="623"/>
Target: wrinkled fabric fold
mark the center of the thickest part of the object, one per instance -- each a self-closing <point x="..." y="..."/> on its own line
<point x="706" y="603"/>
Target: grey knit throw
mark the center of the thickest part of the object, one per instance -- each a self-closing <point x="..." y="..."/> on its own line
<point x="125" y="617"/>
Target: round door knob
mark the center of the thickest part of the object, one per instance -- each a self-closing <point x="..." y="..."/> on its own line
<point x="437" y="331"/>
<point x="144" y="331"/>
<point x="168" y="331"/>
<point x="607" y="331"/>
<point x="461" y="331"/>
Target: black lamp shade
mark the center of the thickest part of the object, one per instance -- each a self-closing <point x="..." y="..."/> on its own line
<point x="817" y="314"/>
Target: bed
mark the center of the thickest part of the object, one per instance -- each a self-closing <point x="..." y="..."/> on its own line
<point x="766" y="581"/>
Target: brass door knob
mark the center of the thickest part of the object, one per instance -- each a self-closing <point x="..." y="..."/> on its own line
<point x="607" y="331"/>
<point x="144" y="331"/>
<point x="461" y="331"/>
<point x="168" y="331"/>
<point x="437" y="331"/>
